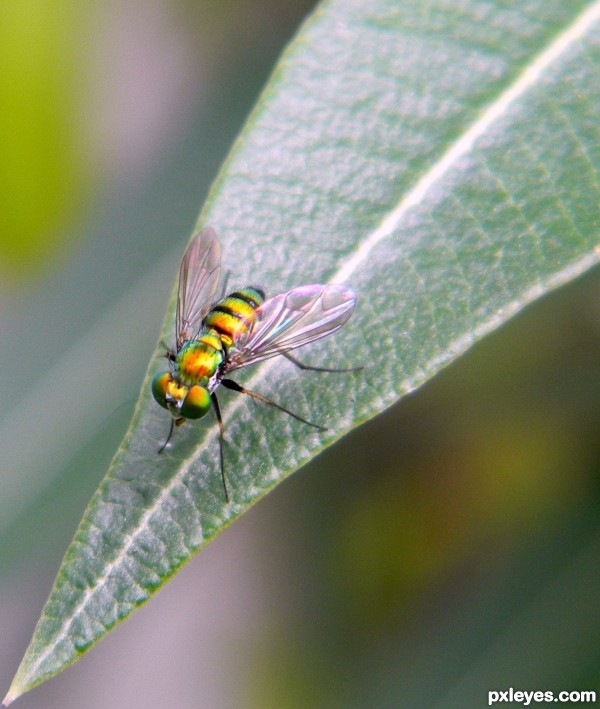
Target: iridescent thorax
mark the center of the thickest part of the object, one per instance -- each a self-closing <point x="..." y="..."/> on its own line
<point x="198" y="360"/>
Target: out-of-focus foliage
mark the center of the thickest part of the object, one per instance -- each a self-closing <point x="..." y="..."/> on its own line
<point x="466" y="559"/>
<point x="43" y="159"/>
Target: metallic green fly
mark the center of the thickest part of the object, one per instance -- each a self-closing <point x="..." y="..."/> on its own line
<point x="215" y="337"/>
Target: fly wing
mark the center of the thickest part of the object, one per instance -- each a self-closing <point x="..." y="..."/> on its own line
<point x="293" y="319"/>
<point x="198" y="281"/>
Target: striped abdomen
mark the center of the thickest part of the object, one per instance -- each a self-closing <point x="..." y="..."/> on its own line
<point x="232" y="316"/>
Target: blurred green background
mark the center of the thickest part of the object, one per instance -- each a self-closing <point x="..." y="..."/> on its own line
<point x="447" y="548"/>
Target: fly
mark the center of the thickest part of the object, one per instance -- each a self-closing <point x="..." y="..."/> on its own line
<point x="214" y="338"/>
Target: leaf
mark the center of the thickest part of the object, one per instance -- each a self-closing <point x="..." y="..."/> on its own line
<point x="440" y="159"/>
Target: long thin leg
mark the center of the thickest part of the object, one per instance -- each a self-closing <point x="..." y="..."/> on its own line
<point x="166" y="443"/>
<point x="215" y="404"/>
<point x="297" y="362"/>
<point x="234" y="386"/>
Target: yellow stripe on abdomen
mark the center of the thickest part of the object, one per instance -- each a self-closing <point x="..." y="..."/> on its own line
<point x="233" y="315"/>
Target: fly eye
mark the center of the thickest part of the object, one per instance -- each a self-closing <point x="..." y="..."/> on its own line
<point x="159" y="388"/>
<point x="196" y="403"/>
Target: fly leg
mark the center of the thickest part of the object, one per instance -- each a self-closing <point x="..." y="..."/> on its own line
<point x="215" y="404"/>
<point x="234" y="386"/>
<point x="297" y="362"/>
<point x="166" y="443"/>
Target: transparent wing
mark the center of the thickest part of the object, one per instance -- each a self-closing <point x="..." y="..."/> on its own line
<point x="198" y="281"/>
<point x="293" y="319"/>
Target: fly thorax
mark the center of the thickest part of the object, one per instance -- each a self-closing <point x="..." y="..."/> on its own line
<point x="198" y="360"/>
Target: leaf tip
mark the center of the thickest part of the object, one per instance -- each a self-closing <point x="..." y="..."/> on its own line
<point x="9" y="698"/>
<point x="15" y="691"/>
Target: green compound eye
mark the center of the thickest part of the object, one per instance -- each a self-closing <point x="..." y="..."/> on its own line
<point x="196" y="403"/>
<point x="159" y="388"/>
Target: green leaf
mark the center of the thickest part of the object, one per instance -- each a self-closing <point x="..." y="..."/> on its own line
<point x="441" y="159"/>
